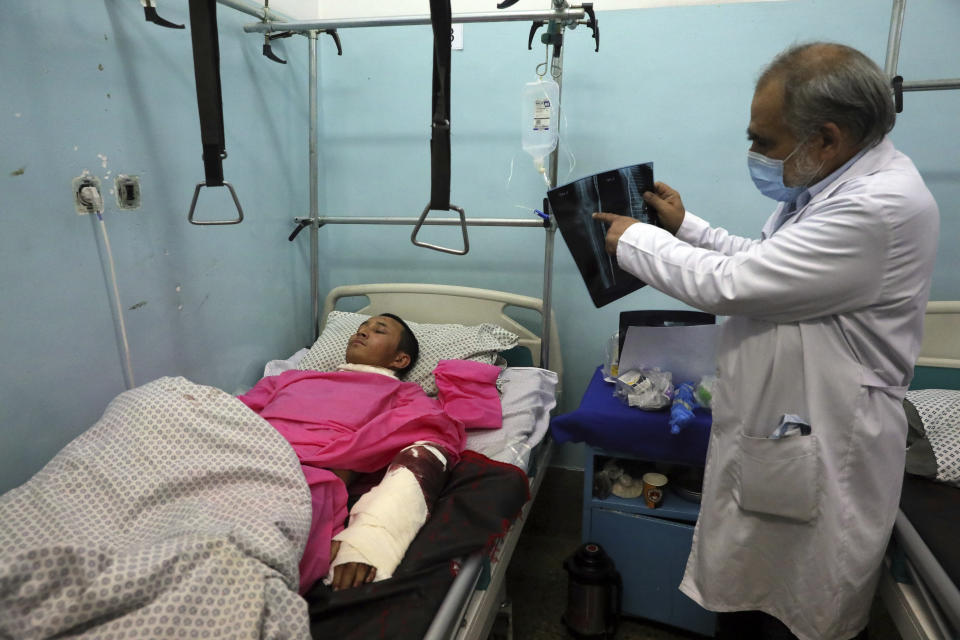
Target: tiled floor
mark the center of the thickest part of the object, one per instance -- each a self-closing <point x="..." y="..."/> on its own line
<point x="537" y="582"/>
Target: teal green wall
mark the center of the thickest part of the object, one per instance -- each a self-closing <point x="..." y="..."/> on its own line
<point x="92" y="86"/>
<point x="672" y="86"/>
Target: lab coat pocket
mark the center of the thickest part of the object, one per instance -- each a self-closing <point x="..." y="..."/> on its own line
<point x="780" y="477"/>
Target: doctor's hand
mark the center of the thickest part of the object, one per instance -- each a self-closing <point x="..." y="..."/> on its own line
<point x="351" y="574"/>
<point x="618" y="224"/>
<point x="666" y="201"/>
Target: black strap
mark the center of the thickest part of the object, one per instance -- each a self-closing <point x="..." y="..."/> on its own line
<point x="150" y="12"/>
<point x="897" y="83"/>
<point x="440" y="16"/>
<point x="206" y="66"/>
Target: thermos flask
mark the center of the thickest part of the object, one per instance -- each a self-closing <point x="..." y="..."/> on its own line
<point x="594" y="593"/>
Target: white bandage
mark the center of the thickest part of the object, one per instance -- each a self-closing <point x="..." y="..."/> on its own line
<point x="383" y="523"/>
<point x="432" y="449"/>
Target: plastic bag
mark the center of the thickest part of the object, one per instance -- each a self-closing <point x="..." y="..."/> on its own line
<point x="540" y="114"/>
<point x="604" y="479"/>
<point x="704" y="391"/>
<point x="645" y="388"/>
<point x="681" y="410"/>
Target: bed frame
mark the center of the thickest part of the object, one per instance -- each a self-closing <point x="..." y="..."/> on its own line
<point x="922" y="600"/>
<point x="468" y="611"/>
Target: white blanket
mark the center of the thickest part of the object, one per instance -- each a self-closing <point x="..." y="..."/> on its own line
<point x="179" y="511"/>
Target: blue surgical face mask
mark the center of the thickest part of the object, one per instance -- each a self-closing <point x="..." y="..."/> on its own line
<point x="767" y="174"/>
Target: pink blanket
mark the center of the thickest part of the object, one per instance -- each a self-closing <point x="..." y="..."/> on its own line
<point x="360" y="421"/>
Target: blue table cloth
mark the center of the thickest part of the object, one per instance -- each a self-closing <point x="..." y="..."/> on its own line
<point x="606" y="422"/>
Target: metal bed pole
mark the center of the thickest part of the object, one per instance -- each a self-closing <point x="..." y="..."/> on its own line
<point x="572" y="14"/>
<point x="256" y="10"/>
<point x="932" y="85"/>
<point x="893" y="55"/>
<point x="893" y="39"/>
<point x="547" y="296"/>
<point x="314" y="191"/>
<point x="397" y="221"/>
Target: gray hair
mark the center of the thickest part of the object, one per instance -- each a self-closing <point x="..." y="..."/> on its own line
<point x="828" y="82"/>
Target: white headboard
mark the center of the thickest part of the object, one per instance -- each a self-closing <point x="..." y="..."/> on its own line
<point x="437" y="303"/>
<point x="941" y="335"/>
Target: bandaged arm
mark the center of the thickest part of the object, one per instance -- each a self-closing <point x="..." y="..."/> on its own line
<point x="385" y="520"/>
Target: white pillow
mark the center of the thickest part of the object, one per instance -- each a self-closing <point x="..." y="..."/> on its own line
<point x="438" y="342"/>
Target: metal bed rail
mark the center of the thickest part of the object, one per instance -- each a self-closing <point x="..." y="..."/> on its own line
<point x="462" y="600"/>
<point x="930" y="578"/>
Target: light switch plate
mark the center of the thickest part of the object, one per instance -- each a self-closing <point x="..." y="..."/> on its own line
<point x="456" y="36"/>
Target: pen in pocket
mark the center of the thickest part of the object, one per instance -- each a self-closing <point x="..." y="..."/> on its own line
<point x="789" y="425"/>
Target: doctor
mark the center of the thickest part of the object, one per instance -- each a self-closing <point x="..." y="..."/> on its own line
<point x="826" y="313"/>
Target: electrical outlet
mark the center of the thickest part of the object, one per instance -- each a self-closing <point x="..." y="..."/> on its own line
<point x="128" y="191"/>
<point x="80" y="182"/>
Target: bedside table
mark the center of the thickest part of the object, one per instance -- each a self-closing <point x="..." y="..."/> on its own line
<point x="648" y="546"/>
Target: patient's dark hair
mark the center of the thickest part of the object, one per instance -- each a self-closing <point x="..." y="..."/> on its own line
<point x="408" y="343"/>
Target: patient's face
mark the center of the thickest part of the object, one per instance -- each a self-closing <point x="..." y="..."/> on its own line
<point x="375" y="343"/>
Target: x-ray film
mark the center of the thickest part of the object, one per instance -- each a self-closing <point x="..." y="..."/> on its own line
<point x="617" y="191"/>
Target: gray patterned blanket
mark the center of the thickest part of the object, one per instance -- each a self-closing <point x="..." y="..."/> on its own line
<point x="180" y="513"/>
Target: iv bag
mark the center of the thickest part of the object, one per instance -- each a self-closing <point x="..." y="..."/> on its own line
<point x="540" y="110"/>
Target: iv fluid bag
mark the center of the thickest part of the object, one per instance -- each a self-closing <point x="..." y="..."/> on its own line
<point x="540" y="118"/>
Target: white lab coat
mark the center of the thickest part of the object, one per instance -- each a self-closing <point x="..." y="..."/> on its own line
<point x="826" y="321"/>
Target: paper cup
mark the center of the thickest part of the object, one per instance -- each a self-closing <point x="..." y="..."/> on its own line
<point x="653" y="484"/>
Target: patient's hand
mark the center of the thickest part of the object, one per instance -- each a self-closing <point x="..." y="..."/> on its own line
<point x="351" y="574"/>
<point x="344" y="474"/>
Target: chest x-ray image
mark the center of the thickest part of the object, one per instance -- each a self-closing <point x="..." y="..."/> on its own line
<point x="616" y="191"/>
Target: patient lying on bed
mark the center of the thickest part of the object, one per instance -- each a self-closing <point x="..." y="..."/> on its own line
<point x="361" y="419"/>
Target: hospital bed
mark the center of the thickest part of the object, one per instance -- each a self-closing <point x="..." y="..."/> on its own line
<point x="475" y="598"/>
<point x="922" y="568"/>
<point x="180" y="496"/>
